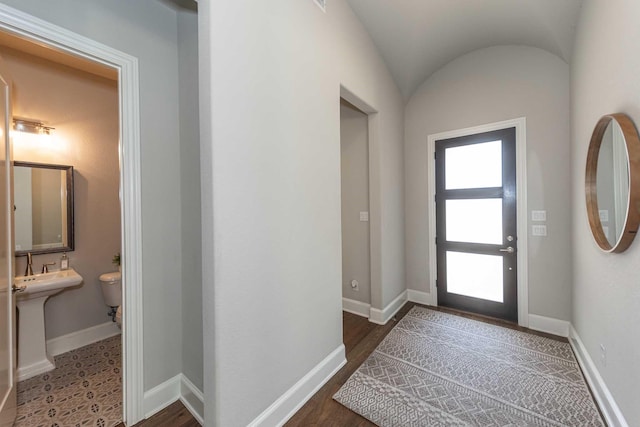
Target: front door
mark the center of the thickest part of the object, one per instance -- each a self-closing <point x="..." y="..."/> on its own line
<point x="7" y="302"/>
<point x="476" y="223"/>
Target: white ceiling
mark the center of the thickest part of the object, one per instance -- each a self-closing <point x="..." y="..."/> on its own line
<point x="417" y="37"/>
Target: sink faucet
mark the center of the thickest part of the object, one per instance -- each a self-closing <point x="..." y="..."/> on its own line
<point x="45" y="267"/>
<point x="29" y="270"/>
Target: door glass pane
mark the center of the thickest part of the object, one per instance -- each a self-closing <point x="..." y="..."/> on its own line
<point x="474" y="275"/>
<point x="474" y="166"/>
<point x="474" y="221"/>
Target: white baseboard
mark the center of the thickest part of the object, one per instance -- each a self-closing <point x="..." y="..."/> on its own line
<point x="419" y="297"/>
<point x="381" y="317"/>
<point x="612" y="414"/>
<point x="549" y="325"/>
<point x="192" y="398"/>
<point x="176" y="388"/>
<point x="37" y="368"/>
<point x="293" y="399"/>
<point x="356" y="307"/>
<point x="162" y="396"/>
<point x="65" y="343"/>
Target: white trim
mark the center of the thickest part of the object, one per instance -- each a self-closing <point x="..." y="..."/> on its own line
<point x="40" y="367"/>
<point x="612" y="413"/>
<point x="43" y="32"/>
<point x="68" y="342"/>
<point x="176" y="388"/>
<point x="293" y="399"/>
<point x="381" y="317"/>
<point x="521" y="182"/>
<point x="356" y="307"/>
<point x="162" y="395"/>
<point x="192" y="398"/>
<point x="419" y="297"/>
<point x="549" y="325"/>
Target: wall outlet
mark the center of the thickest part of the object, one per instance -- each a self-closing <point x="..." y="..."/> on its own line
<point x="603" y="355"/>
<point x="538" y="230"/>
<point x="604" y="215"/>
<point x="355" y="285"/>
<point x="538" y="215"/>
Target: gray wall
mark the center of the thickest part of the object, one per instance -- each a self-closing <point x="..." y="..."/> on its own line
<point x="354" y="182"/>
<point x="486" y="86"/>
<point x="83" y="109"/>
<point x="606" y="300"/>
<point x="271" y="192"/>
<point x="190" y="197"/>
<point x="145" y="29"/>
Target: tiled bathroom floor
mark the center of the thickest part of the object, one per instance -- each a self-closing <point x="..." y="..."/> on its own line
<point x="85" y="389"/>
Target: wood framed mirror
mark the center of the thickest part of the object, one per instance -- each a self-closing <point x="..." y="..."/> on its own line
<point x="612" y="182"/>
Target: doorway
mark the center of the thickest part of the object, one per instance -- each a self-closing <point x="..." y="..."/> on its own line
<point x="516" y="260"/>
<point x="67" y="216"/>
<point x="126" y="67"/>
<point x="354" y="179"/>
<point x="476" y="223"/>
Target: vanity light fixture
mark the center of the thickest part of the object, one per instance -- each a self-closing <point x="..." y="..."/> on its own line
<point x="31" y="126"/>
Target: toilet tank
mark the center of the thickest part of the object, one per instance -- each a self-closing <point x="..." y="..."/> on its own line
<point x="111" y="285"/>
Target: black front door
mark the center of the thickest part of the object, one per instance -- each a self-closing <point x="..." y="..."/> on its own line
<point x="476" y="223"/>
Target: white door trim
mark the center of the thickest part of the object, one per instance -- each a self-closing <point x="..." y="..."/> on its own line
<point x="43" y="32"/>
<point x="521" y="183"/>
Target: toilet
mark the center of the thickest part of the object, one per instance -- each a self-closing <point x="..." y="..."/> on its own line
<point x="111" y="285"/>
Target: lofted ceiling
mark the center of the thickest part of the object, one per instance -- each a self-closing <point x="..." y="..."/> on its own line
<point x="417" y="37"/>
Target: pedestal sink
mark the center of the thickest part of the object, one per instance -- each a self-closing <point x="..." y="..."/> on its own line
<point x="33" y="358"/>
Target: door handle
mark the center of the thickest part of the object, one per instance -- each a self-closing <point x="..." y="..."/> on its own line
<point x="15" y="288"/>
<point x="509" y="250"/>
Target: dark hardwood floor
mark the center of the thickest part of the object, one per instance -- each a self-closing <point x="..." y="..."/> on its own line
<point x="361" y="337"/>
<point x="174" y="415"/>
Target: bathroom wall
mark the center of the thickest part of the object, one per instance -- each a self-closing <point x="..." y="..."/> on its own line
<point x="354" y="183"/>
<point x="83" y="109"/>
<point x="605" y="74"/>
<point x="487" y="86"/>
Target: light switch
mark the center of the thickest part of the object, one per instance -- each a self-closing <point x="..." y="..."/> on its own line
<point x="538" y="215"/>
<point x="364" y="216"/>
<point x="538" y="230"/>
<point x="604" y="215"/>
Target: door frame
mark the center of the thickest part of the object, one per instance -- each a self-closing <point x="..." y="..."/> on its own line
<point x="42" y="32"/>
<point x="375" y="307"/>
<point x="520" y="124"/>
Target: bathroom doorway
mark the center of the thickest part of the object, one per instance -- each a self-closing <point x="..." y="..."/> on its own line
<point x="78" y="102"/>
<point x="57" y="39"/>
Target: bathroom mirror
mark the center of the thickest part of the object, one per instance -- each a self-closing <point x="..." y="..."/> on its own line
<point x="612" y="183"/>
<point x="43" y="205"/>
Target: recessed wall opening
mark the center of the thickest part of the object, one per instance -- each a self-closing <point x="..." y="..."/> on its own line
<point x="354" y="174"/>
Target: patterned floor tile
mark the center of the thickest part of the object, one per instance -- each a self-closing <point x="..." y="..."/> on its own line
<point x="85" y="389"/>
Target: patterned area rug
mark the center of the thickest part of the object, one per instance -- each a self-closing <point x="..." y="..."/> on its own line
<point x="437" y="369"/>
<point x="85" y="389"/>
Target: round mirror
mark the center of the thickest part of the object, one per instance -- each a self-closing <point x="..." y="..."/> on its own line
<point x="612" y="182"/>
